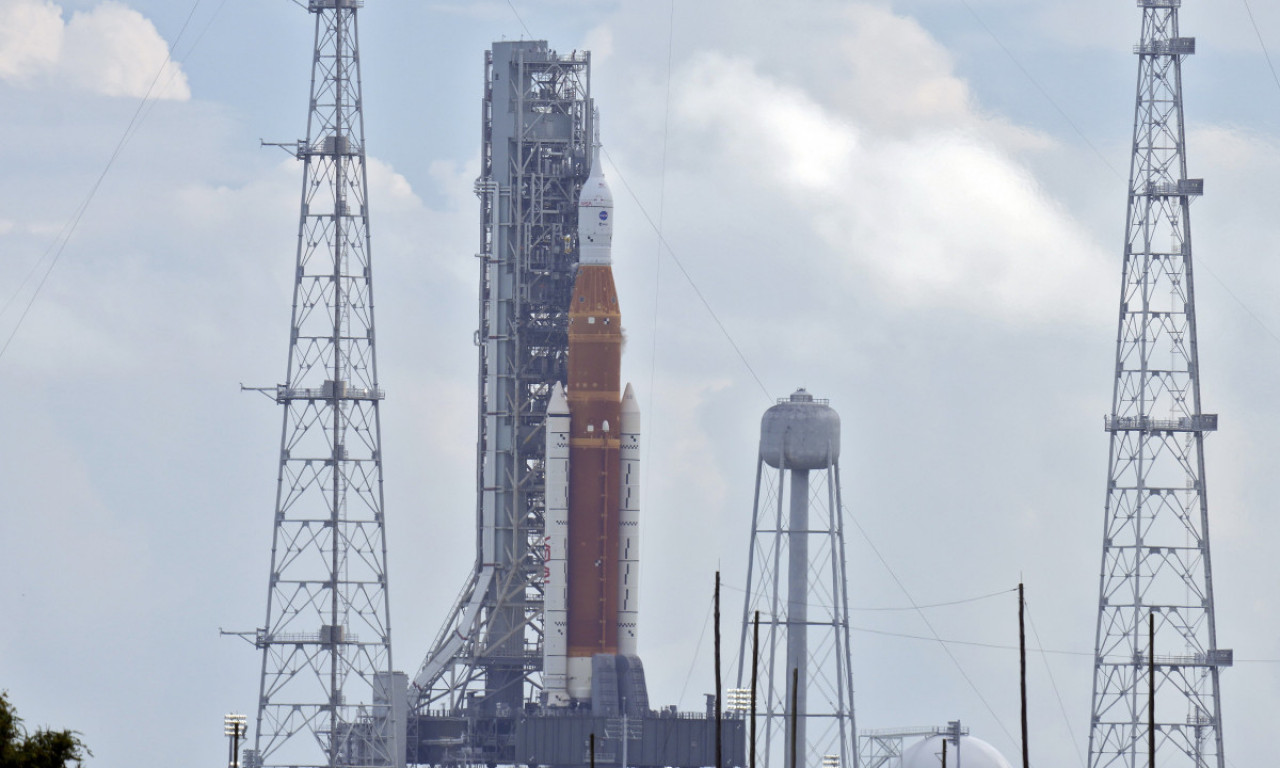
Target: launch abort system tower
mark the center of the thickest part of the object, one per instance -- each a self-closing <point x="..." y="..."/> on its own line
<point x="327" y="689"/>
<point x="1155" y="549"/>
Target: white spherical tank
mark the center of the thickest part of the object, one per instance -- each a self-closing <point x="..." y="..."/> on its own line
<point x="800" y="433"/>
<point x="974" y="753"/>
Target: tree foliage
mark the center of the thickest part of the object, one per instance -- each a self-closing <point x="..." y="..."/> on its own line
<point x="42" y="749"/>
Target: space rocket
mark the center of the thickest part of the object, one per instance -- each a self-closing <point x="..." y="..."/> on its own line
<point x="592" y="543"/>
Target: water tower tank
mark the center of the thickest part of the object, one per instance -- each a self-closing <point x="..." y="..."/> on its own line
<point x="800" y="433"/>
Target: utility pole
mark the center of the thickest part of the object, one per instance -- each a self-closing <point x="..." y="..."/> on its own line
<point x="1022" y="670"/>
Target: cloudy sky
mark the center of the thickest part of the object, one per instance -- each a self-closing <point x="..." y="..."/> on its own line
<point x="912" y="208"/>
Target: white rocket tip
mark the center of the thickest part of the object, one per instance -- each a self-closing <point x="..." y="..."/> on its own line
<point x="630" y="412"/>
<point x="558" y="404"/>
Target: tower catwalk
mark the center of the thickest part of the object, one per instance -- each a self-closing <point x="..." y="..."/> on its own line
<point x="535" y="155"/>
<point x="326" y="645"/>
<point x="1155" y="550"/>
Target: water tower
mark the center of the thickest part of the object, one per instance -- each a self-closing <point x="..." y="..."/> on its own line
<point x="797" y="582"/>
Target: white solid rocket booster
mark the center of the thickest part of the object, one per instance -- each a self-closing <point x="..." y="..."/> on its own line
<point x="629" y="522"/>
<point x="555" y="637"/>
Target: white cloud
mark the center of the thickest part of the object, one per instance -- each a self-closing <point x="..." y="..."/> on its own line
<point x="599" y="41"/>
<point x="941" y="215"/>
<point x="30" y="38"/>
<point x="897" y="75"/>
<point x="111" y="50"/>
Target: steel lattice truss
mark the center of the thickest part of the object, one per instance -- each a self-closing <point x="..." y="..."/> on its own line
<point x="536" y="124"/>
<point x="829" y="718"/>
<point x="326" y="645"/>
<point x="1155" y="557"/>
<point x="883" y="748"/>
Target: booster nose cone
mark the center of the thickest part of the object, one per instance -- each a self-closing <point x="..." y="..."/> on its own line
<point x="595" y="216"/>
<point x="630" y="410"/>
<point x="558" y="404"/>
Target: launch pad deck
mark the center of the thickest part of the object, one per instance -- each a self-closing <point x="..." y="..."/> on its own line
<point x="563" y="738"/>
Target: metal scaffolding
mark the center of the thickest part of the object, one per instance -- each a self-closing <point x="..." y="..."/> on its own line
<point x="1155" y="552"/>
<point x="536" y="129"/>
<point x="883" y="748"/>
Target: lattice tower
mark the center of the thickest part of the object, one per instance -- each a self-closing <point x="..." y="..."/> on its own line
<point x="1155" y="554"/>
<point x="326" y="644"/>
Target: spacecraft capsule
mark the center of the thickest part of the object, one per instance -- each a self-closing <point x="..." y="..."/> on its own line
<point x="595" y="217"/>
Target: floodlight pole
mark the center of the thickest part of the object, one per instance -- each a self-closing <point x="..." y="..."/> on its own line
<point x="234" y="727"/>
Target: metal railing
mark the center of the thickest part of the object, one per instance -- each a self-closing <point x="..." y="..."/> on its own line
<point x="1207" y="422"/>
<point x="1177" y="46"/>
<point x="328" y="392"/>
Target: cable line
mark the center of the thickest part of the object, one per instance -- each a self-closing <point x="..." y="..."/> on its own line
<point x="936" y="637"/>
<point x="522" y="24"/>
<point x="694" y="661"/>
<point x="60" y="241"/>
<point x="970" y="643"/>
<point x="688" y="278"/>
<point x="657" y="258"/>
<point x="1265" y="52"/>
<point x="1054" y="684"/>
<point x="1041" y="89"/>
<point x="877" y="609"/>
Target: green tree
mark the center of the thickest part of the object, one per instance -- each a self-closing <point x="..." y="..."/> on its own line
<point x="42" y="749"/>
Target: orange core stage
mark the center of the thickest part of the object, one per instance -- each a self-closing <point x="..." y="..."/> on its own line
<point x="594" y="394"/>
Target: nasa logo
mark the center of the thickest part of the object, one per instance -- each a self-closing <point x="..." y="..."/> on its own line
<point x="604" y="215"/>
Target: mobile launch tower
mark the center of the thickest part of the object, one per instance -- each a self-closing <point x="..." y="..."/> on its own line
<point x="1157" y="659"/>
<point x="535" y="153"/>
